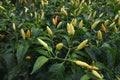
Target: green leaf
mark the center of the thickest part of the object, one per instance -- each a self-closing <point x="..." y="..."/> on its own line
<point x="21" y="51"/>
<point x="111" y="56"/>
<point x="91" y="53"/>
<point x="42" y="51"/>
<point x="106" y="45"/>
<point x="9" y="60"/>
<point x="39" y="63"/>
<point x="100" y="65"/>
<point x="56" y="67"/>
<point x="85" y="77"/>
<point x="13" y="72"/>
<point x="57" y="71"/>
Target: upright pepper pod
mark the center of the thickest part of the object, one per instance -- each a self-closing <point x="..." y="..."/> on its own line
<point x="14" y="27"/>
<point x="70" y="29"/>
<point x="23" y="33"/>
<point x="49" y="31"/>
<point x="63" y="11"/>
<point x="74" y="21"/>
<point x="81" y="24"/>
<point x="59" y="24"/>
<point x="28" y="34"/>
<point x="99" y="35"/>
<point x="103" y="28"/>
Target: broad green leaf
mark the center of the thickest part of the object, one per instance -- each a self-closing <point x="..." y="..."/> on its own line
<point x="91" y="53"/>
<point x="56" y="67"/>
<point x="13" y="72"/>
<point x="57" y="71"/>
<point x="9" y="60"/>
<point x="39" y="63"/>
<point x="21" y="51"/>
<point x="111" y="56"/>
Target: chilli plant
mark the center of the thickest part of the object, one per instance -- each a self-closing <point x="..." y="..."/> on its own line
<point x="59" y="40"/>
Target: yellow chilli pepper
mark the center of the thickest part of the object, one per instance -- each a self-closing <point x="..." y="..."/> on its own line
<point x="49" y="31"/>
<point x="81" y="63"/>
<point x="26" y="9"/>
<point x="112" y="24"/>
<point x="35" y="14"/>
<point x="106" y="22"/>
<point x="94" y="14"/>
<point x="101" y="15"/>
<point x="74" y="21"/>
<point x="115" y="29"/>
<point x="70" y="29"/>
<point x="119" y="22"/>
<point x="118" y="78"/>
<point x="28" y="57"/>
<point x="23" y="33"/>
<point x="63" y="0"/>
<point x="31" y="14"/>
<point x="53" y="20"/>
<point x="14" y="27"/>
<point x="81" y="24"/>
<point x="89" y="16"/>
<point x="59" y="46"/>
<point x="42" y="43"/>
<point x="63" y="11"/>
<point x="42" y="14"/>
<point x="82" y="44"/>
<point x="96" y="74"/>
<point x="84" y="64"/>
<point x="94" y="24"/>
<point x="99" y="35"/>
<point x="59" y="24"/>
<point x="28" y="34"/>
<point x="42" y="3"/>
<point x="93" y="67"/>
<point x="72" y="2"/>
<point x="1" y="7"/>
<point x="116" y="17"/>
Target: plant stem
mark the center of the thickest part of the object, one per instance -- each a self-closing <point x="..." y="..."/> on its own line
<point x="67" y="54"/>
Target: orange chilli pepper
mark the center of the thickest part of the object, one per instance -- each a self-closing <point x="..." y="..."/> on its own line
<point x="26" y="1"/>
<point x="56" y="19"/>
<point x="32" y="5"/>
<point x="103" y="28"/>
<point x="28" y="34"/>
<point x="1" y="35"/>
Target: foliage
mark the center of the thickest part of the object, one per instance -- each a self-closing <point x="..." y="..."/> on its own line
<point x="59" y="40"/>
